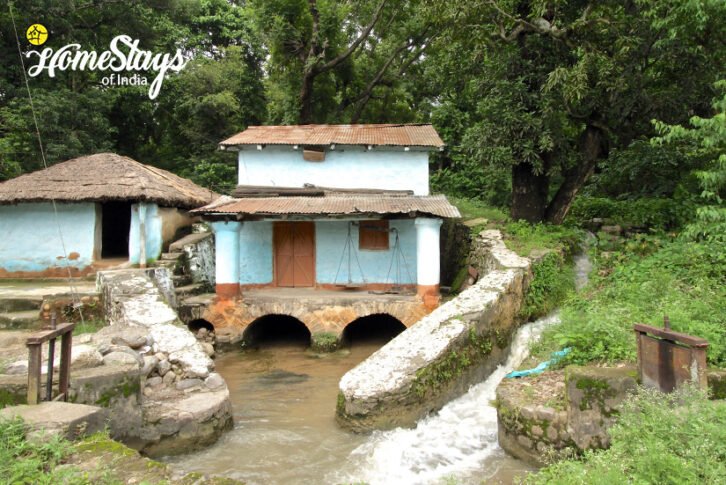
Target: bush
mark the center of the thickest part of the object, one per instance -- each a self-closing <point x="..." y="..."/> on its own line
<point x="659" y="438"/>
<point x="647" y="213"/>
<point x="553" y="281"/>
<point x="685" y="281"/>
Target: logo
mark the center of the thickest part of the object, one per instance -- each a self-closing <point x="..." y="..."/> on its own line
<point x="123" y="56"/>
<point x="37" y="34"/>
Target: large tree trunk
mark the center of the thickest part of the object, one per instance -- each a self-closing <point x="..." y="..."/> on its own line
<point x="529" y="193"/>
<point x="592" y="149"/>
<point x="306" y="98"/>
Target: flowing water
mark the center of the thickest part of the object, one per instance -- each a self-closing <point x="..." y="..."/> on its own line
<point x="285" y="431"/>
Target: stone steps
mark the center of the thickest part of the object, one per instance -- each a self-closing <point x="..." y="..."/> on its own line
<point x="26" y="319"/>
<point x="173" y="256"/>
<point x="190" y="290"/>
<point x="18" y="304"/>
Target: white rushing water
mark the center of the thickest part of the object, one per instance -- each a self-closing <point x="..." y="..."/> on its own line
<point x="460" y="440"/>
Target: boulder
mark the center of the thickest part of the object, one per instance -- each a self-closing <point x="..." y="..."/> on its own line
<point x="120" y="358"/>
<point x="214" y="381"/>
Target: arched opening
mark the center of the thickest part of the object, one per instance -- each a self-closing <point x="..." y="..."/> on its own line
<point x="195" y="325"/>
<point x="372" y="329"/>
<point x="276" y="329"/>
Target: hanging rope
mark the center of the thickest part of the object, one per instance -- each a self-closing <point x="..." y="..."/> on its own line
<point x="74" y="293"/>
<point x="397" y="257"/>
<point x="350" y="251"/>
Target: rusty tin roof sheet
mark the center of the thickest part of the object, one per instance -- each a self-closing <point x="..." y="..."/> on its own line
<point x="417" y="135"/>
<point x="436" y="205"/>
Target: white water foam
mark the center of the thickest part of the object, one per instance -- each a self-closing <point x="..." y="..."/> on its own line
<point x="457" y="440"/>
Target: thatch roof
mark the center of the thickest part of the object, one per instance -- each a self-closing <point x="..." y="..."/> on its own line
<point x="104" y="177"/>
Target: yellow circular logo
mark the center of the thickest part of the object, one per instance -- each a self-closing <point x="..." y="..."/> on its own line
<point x="37" y="34"/>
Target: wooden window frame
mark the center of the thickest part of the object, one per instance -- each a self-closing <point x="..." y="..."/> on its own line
<point x="373" y="235"/>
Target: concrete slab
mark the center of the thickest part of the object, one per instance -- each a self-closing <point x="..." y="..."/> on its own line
<point x="328" y="296"/>
<point x="70" y="420"/>
<point x="36" y="289"/>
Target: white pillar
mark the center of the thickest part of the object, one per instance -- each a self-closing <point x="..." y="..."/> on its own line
<point x="226" y="240"/>
<point x="427" y="255"/>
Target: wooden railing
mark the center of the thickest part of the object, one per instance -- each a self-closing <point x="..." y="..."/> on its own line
<point x="35" y="361"/>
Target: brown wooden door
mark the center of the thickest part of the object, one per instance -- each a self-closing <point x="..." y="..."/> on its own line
<point x="294" y="244"/>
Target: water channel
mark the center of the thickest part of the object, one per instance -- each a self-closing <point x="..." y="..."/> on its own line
<point x="285" y="432"/>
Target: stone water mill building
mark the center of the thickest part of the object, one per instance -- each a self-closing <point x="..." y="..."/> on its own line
<point x="329" y="224"/>
<point x="90" y="213"/>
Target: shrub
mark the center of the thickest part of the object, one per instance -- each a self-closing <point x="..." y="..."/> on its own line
<point x="553" y="281"/>
<point x="685" y="281"/>
<point x="646" y="213"/>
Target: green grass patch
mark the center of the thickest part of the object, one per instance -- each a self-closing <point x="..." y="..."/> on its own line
<point x="89" y="326"/>
<point x="24" y="461"/>
<point x="523" y="237"/>
<point x="641" y="284"/>
<point x="659" y="438"/>
<point x="475" y="209"/>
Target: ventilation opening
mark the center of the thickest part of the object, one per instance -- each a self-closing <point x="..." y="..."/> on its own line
<point x="115" y="227"/>
<point x="378" y="328"/>
<point x="195" y="325"/>
<point x="276" y="329"/>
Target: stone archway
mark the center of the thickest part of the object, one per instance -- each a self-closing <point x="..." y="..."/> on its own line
<point x="377" y="327"/>
<point x="276" y="328"/>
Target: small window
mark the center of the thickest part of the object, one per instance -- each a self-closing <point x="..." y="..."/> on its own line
<point x="373" y="235"/>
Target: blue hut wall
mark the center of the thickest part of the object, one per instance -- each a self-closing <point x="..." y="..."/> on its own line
<point x="255" y="246"/>
<point x="30" y="239"/>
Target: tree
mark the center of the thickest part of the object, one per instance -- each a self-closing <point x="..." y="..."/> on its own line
<point x="329" y="59"/>
<point x="557" y="85"/>
<point x="705" y="140"/>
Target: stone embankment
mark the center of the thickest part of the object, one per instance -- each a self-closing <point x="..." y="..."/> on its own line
<point x="185" y="404"/>
<point x="437" y="359"/>
<point x="151" y="374"/>
<point x="572" y="409"/>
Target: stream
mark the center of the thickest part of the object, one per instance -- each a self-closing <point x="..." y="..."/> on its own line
<point x="285" y="432"/>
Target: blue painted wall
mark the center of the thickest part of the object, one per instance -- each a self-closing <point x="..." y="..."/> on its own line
<point x="255" y="245"/>
<point x="344" y="167"/>
<point x="330" y="241"/>
<point x="154" y="241"/>
<point x="256" y="254"/>
<point x="29" y="239"/>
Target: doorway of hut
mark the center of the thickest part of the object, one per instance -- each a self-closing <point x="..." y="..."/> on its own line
<point x="115" y="227"/>
<point x="294" y="259"/>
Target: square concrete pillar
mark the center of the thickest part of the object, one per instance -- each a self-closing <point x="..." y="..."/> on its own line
<point x="226" y="240"/>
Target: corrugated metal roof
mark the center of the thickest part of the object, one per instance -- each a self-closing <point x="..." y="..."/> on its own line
<point x="420" y="135"/>
<point x="436" y="205"/>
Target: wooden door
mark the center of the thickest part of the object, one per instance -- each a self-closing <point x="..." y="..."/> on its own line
<point x="294" y="244"/>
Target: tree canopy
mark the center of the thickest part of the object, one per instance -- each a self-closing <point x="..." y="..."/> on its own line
<point x="534" y="99"/>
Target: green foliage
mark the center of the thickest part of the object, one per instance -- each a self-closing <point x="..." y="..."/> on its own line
<point x="653" y="277"/>
<point x="659" y="438"/>
<point x="705" y="140"/>
<point x="553" y="281"/>
<point x="32" y="462"/>
<point x="645" y="213"/>
<point x="522" y="237"/>
<point x="89" y="326"/>
<point x="475" y="209"/>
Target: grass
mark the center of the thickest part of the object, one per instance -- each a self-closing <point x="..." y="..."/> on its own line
<point x="659" y="438"/>
<point x="639" y="282"/>
<point x="475" y="209"/>
<point x="24" y="461"/>
<point x="89" y="326"/>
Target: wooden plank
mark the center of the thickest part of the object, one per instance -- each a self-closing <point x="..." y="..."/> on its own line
<point x="45" y="335"/>
<point x="304" y="254"/>
<point x="697" y="342"/>
<point x="65" y="364"/>
<point x="35" y="360"/>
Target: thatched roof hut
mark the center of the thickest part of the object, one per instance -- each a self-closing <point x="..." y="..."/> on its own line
<point x="105" y="177"/>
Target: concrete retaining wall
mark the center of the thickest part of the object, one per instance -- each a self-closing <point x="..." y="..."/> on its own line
<point x="437" y="359"/>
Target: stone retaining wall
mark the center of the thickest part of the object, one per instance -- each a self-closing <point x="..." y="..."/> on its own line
<point x="437" y="359"/>
<point x="541" y="416"/>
